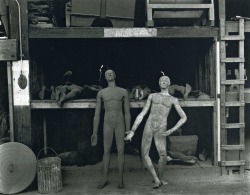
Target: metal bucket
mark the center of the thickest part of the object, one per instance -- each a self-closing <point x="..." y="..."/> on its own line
<point x="49" y="176"/>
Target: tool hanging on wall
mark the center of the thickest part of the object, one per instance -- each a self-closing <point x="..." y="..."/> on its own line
<point x="22" y="80"/>
<point x="100" y="73"/>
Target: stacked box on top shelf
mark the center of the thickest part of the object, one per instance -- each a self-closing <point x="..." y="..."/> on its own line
<point x="41" y="13"/>
<point x="100" y="13"/>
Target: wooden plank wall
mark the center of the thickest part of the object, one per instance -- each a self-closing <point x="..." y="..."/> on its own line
<point x="8" y="50"/>
<point x="22" y="114"/>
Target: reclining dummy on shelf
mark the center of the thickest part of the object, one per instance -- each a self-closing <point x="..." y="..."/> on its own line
<point x="181" y="89"/>
<point x="69" y="91"/>
<point x="138" y="92"/>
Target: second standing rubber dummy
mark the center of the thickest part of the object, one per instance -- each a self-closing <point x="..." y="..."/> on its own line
<point x="156" y="127"/>
<point x="114" y="99"/>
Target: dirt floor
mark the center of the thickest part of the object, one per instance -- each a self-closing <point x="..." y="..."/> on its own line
<point x="183" y="179"/>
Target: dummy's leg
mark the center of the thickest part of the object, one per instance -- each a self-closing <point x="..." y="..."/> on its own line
<point x="146" y="144"/>
<point x="119" y="136"/>
<point x="58" y="91"/>
<point x="53" y="93"/>
<point x="42" y="92"/>
<point x="187" y="90"/>
<point x="160" y="143"/>
<point x="62" y="97"/>
<point x="73" y="94"/>
<point x="107" y="141"/>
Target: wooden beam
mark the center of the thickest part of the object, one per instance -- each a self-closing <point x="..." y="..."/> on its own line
<point x="222" y="12"/>
<point x="8" y="50"/>
<point x="66" y="33"/>
<point x="188" y="32"/>
<point x="91" y="103"/>
<point x="169" y="32"/>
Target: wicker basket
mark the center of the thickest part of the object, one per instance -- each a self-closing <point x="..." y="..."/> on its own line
<point x="49" y="174"/>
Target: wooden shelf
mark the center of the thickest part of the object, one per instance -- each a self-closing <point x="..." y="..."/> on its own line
<point x="88" y="32"/>
<point x="91" y="103"/>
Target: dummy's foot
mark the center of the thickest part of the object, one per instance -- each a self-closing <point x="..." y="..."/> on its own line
<point x="157" y="185"/>
<point x="103" y="184"/>
<point x="187" y="90"/>
<point x="121" y="186"/>
<point x="163" y="182"/>
<point x="53" y="93"/>
<point x="58" y="91"/>
<point x="61" y="100"/>
<point x="42" y="92"/>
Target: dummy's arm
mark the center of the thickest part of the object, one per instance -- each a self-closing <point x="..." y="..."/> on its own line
<point x="144" y="111"/>
<point x="96" y="119"/>
<point x="182" y="120"/>
<point x="127" y="111"/>
<point x="139" y="119"/>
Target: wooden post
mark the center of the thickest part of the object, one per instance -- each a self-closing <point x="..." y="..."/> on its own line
<point x="10" y="97"/>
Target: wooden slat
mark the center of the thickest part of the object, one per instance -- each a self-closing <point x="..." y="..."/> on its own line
<point x="233" y="26"/>
<point x="91" y="103"/>
<point x="233" y="147"/>
<point x="233" y="163"/>
<point x="233" y="82"/>
<point x="232" y="60"/>
<point x="234" y="104"/>
<point x="177" y="14"/>
<point x="232" y="125"/>
<point x="8" y="49"/>
<point x="232" y="38"/>
<point x="180" y="6"/>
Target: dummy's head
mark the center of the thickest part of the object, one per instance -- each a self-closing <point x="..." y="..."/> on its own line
<point x="110" y="75"/>
<point x="164" y="82"/>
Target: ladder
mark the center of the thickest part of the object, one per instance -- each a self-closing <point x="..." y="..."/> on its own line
<point x="232" y="100"/>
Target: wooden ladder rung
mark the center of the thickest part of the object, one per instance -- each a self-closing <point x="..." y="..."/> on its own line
<point x="233" y="147"/>
<point x="233" y="125"/>
<point x="233" y="38"/>
<point x="233" y="104"/>
<point x="232" y="163"/>
<point x="232" y="60"/>
<point x="233" y="82"/>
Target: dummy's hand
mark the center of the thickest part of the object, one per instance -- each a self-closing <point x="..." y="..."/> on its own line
<point x="167" y="133"/>
<point x="68" y="73"/>
<point x="129" y="136"/>
<point x="93" y="140"/>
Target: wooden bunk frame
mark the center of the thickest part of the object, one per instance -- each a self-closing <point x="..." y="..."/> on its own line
<point x="163" y="5"/>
